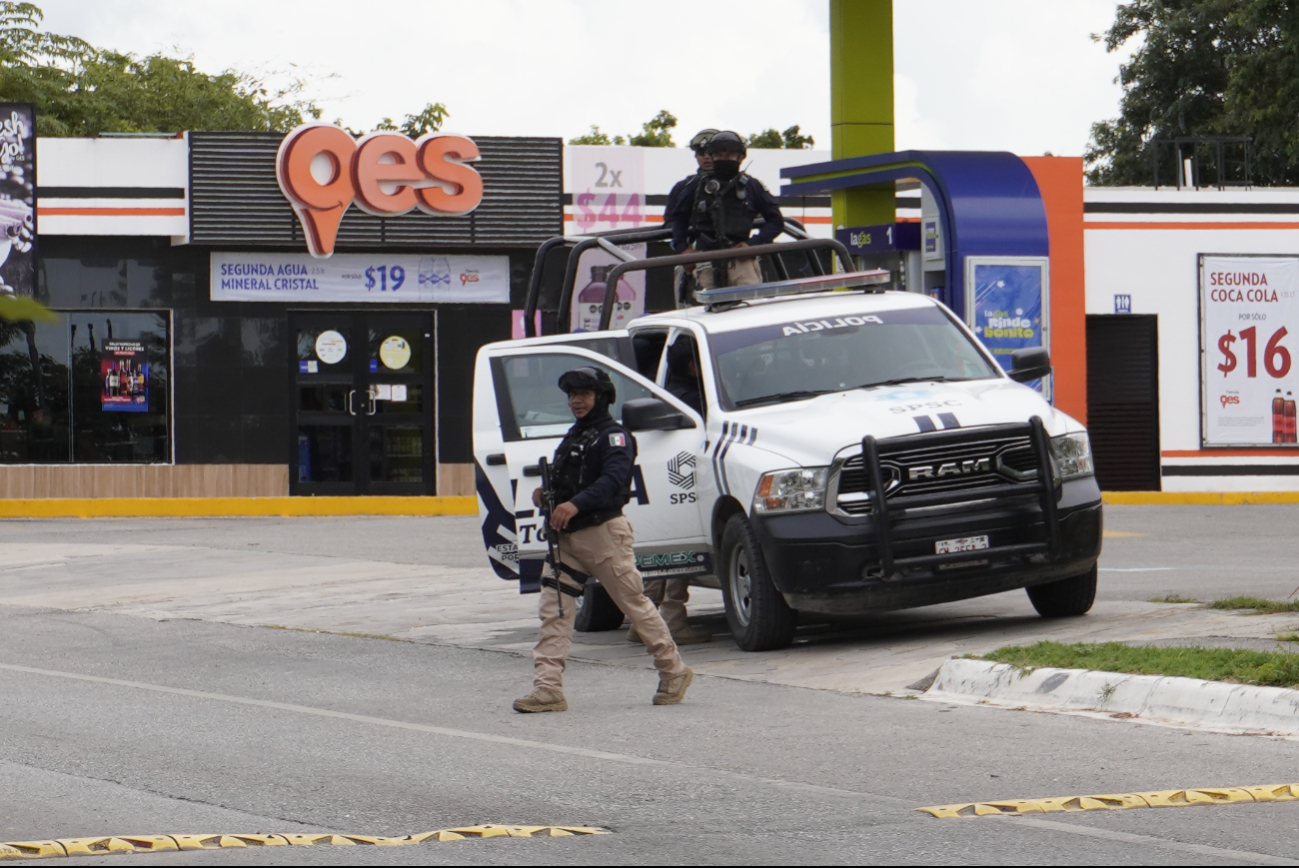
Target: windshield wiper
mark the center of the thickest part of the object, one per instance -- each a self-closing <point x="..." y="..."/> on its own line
<point x="781" y="397"/>
<point x="898" y="381"/>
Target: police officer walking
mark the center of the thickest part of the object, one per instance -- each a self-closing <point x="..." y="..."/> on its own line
<point x="592" y="480"/>
<point x="716" y="211"/>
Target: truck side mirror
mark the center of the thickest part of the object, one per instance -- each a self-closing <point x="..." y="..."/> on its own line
<point x="653" y="414"/>
<point x="1030" y="363"/>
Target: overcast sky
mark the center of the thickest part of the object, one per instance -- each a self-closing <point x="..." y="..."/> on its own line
<point x="1017" y="75"/>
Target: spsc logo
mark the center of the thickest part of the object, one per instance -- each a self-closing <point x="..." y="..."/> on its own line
<point x="681" y="470"/>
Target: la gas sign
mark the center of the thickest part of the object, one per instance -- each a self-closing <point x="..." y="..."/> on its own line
<point x="322" y="170"/>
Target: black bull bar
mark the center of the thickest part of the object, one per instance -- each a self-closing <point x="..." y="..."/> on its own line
<point x="1044" y="487"/>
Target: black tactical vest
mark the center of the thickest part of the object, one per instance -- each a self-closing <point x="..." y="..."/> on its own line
<point x="722" y="213"/>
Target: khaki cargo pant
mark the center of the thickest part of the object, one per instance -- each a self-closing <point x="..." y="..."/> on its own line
<point x="739" y="272"/>
<point x="671" y="596"/>
<point x="603" y="551"/>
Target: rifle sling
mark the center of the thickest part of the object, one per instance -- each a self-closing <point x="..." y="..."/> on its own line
<point x="554" y="582"/>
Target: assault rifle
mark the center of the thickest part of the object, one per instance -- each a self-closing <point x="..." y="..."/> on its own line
<point x="552" y="544"/>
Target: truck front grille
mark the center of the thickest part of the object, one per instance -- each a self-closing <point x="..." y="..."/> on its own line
<point x="959" y="467"/>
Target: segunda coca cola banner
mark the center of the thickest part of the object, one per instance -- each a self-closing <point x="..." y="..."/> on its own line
<point x="1249" y="333"/>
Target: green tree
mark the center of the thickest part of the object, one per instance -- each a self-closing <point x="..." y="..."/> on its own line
<point x="429" y="120"/>
<point x="655" y="132"/>
<point x="790" y="139"/>
<point x="1202" y="68"/>
<point x="81" y="90"/>
<point x="596" y="137"/>
<point x="795" y="141"/>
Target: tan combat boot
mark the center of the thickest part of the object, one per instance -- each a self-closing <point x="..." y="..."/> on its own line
<point x="633" y="636"/>
<point x="672" y="690"/>
<point x="542" y="699"/>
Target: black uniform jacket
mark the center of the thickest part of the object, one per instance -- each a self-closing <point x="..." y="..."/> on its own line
<point x="760" y="203"/>
<point x="595" y="461"/>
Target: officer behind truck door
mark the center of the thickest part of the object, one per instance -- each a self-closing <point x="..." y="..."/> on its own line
<point x="672" y="595"/>
<point x="717" y="210"/>
<point x="592" y="480"/>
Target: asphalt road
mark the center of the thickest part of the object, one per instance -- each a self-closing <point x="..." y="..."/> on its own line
<point x="186" y="726"/>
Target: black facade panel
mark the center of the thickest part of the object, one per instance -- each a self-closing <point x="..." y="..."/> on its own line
<point x="235" y="199"/>
<point x="232" y="360"/>
<point x="1123" y="400"/>
<point x="461" y="330"/>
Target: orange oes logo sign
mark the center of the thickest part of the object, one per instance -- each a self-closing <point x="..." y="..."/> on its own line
<point x="322" y="171"/>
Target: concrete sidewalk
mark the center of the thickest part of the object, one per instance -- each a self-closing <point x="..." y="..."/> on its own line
<point x="223" y="579"/>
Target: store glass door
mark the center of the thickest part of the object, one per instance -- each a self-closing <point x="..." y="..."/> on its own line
<point x="363" y="386"/>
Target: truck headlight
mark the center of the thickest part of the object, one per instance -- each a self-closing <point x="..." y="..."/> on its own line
<point x="1072" y="454"/>
<point x="791" y="490"/>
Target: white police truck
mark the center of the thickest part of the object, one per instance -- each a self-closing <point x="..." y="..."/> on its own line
<point x="853" y="450"/>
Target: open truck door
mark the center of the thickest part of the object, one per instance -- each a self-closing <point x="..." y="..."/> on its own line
<point x="520" y="416"/>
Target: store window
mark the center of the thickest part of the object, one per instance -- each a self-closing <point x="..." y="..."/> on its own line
<point x="93" y="388"/>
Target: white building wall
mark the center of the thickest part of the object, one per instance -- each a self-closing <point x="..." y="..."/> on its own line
<point x="106" y="185"/>
<point x="1152" y="254"/>
<point x="652" y="172"/>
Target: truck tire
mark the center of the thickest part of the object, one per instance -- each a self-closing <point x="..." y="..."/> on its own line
<point x="758" y="615"/>
<point x="596" y="610"/>
<point x="1067" y="598"/>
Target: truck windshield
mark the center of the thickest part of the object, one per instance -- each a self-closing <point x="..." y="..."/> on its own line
<point x="805" y="358"/>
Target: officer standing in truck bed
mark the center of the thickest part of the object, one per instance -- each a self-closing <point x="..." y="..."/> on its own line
<point x="592" y="479"/>
<point x="717" y="211"/>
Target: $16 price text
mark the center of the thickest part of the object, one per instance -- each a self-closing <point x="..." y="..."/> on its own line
<point x="1276" y="358"/>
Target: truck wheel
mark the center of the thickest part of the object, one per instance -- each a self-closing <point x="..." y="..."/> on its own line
<point x="596" y="611"/>
<point x="1067" y="598"/>
<point x="759" y="617"/>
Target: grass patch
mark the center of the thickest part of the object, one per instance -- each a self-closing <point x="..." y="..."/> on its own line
<point x="1258" y="604"/>
<point x="1173" y="598"/>
<point x="1264" y="668"/>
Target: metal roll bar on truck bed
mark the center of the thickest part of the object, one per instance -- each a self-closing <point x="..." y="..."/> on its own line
<point x="611" y="282"/>
<point x="609" y="241"/>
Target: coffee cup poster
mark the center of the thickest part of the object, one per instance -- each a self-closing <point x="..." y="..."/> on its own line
<point x="17" y="199"/>
<point x="1249" y="334"/>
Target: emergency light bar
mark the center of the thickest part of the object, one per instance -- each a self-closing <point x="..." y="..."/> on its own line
<point x="797" y="286"/>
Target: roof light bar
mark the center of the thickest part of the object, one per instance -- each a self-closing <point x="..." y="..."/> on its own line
<point x="798" y="286"/>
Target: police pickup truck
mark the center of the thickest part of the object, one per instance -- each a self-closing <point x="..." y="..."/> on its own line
<point x="849" y="451"/>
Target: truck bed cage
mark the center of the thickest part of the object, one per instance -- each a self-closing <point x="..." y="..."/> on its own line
<point x="609" y="240"/>
<point x="1044" y="487"/>
<point x="611" y="282"/>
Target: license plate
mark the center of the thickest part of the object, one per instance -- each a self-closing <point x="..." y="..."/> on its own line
<point x="964" y="544"/>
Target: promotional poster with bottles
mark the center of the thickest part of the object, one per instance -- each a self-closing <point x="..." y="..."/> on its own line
<point x="588" y="293"/>
<point x="124" y="369"/>
<point x="364" y="278"/>
<point x="1249" y="308"/>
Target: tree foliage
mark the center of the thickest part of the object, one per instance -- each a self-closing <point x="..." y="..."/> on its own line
<point x="429" y="120"/>
<point x="790" y="139"/>
<point x="654" y="133"/>
<point x="1203" y="68"/>
<point x="596" y="137"/>
<point x="82" y="90"/>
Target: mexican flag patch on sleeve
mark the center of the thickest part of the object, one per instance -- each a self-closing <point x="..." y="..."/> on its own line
<point x="618" y="439"/>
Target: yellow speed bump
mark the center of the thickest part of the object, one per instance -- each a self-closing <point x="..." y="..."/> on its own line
<point x="1121" y="801"/>
<point x="16" y="850"/>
